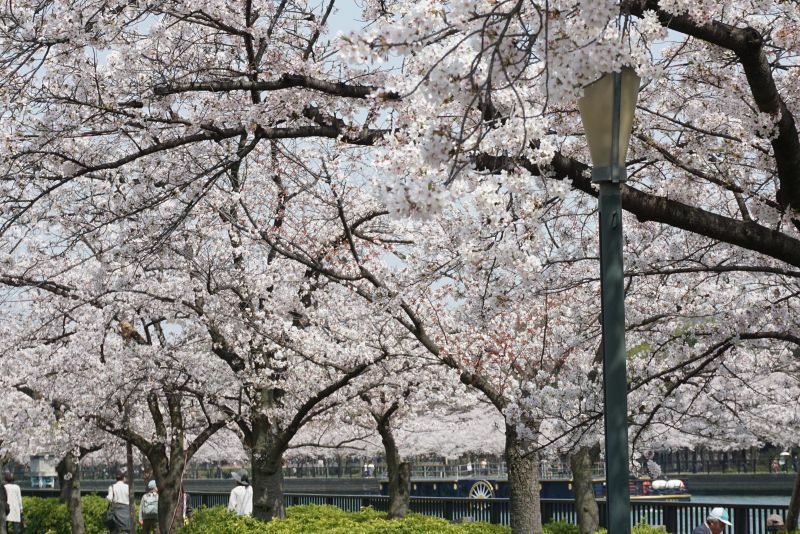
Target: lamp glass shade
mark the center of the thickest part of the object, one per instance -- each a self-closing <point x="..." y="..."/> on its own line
<point x="597" y="111"/>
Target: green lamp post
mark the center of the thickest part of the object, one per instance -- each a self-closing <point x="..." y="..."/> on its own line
<point x="607" y="109"/>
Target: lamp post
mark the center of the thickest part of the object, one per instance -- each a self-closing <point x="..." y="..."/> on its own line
<point x="607" y="109"/>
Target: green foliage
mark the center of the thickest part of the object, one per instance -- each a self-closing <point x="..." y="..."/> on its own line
<point x="330" y="519"/>
<point x="94" y="509"/>
<point x="644" y="528"/>
<point x="45" y="516"/>
<point x="563" y="527"/>
<point x="50" y="516"/>
<point x="218" y="519"/>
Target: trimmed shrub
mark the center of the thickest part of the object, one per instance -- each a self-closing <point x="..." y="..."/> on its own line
<point x="94" y="509"/>
<point x="45" y="516"/>
<point x="50" y="516"/>
<point x="330" y="519"/>
<point x="564" y="527"/>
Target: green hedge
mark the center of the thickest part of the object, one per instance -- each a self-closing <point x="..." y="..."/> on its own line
<point x="563" y="527"/>
<point x="330" y="519"/>
<point x="50" y="516"/>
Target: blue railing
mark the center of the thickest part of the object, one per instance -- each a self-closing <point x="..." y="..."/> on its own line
<point x="677" y="517"/>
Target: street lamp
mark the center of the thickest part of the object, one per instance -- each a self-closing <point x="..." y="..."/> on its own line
<point x="607" y="109"/>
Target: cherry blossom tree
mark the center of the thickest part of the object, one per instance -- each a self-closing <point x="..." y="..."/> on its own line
<point x="148" y="125"/>
<point x="124" y="388"/>
<point x="490" y="88"/>
<point x="216" y="306"/>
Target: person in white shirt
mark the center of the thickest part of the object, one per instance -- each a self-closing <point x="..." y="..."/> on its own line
<point x="14" y="500"/>
<point x="120" y="505"/>
<point x="241" y="499"/>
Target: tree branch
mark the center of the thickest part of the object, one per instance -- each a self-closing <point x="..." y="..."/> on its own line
<point x="286" y="81"/>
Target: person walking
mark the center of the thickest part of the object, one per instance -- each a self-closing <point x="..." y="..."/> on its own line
<point x="714" y="523"/>
<point x="119" y="502"/>
<point x="148" y="509"/>
<point x="14" y="501"/>
<point x="241" y="499"/>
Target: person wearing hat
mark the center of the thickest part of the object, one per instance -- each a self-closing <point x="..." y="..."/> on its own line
<point x="775" y="524"/>
<point x="241" y="499"/>
<point x="714" y="523"/>
<point x="148" y="509"/>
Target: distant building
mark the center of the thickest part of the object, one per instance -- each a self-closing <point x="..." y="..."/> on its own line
<point x="43" y="471"/>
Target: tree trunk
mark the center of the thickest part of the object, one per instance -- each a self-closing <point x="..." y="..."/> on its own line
<point x="400" y="501"/>
<point x="583" y="486"/>
<point x="129" y="470"/>
<point x="794" y="506"/>
<point x="523" y="479"/>
<point x="69" y="479"/>
<point x="266" y="456"/>
<point x="399" y="472"/>
<point x="168" y="490"/>
<point x="168" y="479"/>
<point x="3" y="499"/>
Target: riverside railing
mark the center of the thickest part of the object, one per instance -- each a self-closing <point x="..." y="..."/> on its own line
<point x="676" y="517"/>
<point x="547" y="470"/>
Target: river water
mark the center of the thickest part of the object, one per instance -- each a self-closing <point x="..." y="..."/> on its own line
<point x="741" y="499"/>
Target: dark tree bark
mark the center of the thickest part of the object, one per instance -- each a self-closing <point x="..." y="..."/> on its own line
<point x="69" y="478"/>
<point x="580" y="462"/>
<point x="266" y="455"/>
<point x="3" y="500"/>
<point x="399" y="472"/>
<point x="168" y="477"/>
<point x="793" y="513"/>
<point x="522" y="463"/>
<point x="131" y="488"/>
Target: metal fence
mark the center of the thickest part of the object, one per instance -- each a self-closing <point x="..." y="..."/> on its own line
<point x="676" y="517"/>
